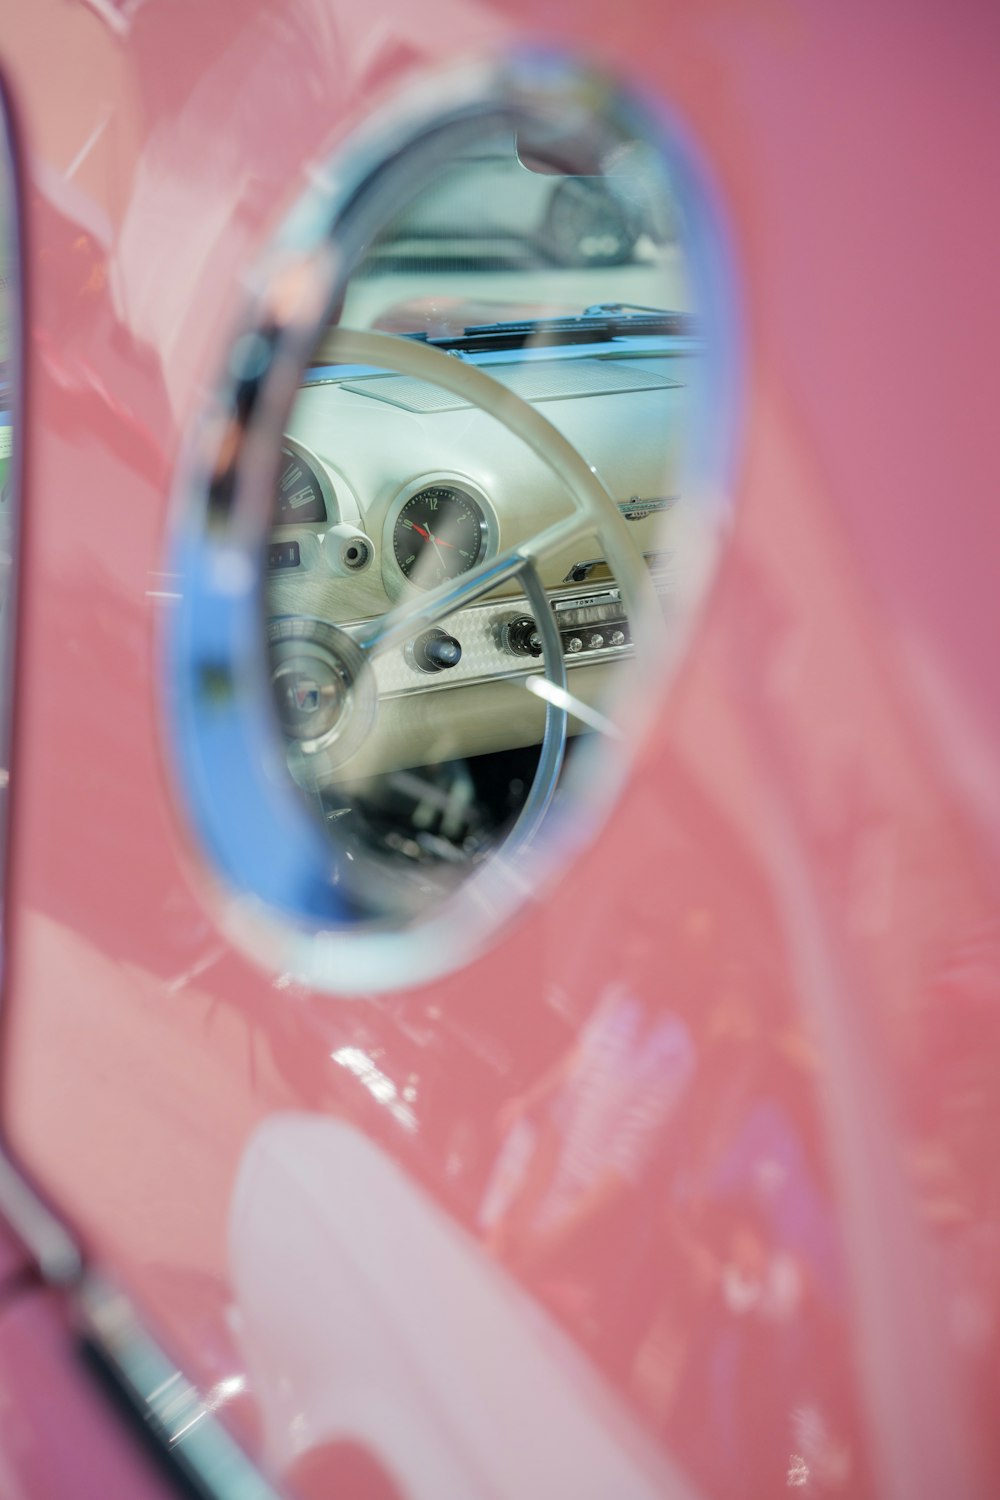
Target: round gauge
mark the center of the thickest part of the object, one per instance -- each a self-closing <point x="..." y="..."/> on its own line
<point x="299" y="497"/>
<point x="439" y="533"/>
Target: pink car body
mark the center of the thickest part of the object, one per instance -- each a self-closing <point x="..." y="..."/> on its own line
<point x="801" y="867"/>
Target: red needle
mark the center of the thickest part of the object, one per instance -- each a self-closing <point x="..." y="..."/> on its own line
<point x="437" y="540"/>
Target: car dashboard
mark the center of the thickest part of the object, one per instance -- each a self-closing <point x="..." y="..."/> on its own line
<point x="389" y="486"/>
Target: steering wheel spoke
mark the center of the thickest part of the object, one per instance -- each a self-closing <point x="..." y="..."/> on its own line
<point x="397" y="626"/>
<point x="560" y="534"/>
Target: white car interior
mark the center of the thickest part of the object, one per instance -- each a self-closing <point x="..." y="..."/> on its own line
<point x="476" y="510"/>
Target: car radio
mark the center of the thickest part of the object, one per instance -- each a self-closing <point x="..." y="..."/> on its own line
<point x="586" y="622"/>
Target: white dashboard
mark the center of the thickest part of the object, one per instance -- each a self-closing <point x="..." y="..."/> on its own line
<point x="391" y="485"/>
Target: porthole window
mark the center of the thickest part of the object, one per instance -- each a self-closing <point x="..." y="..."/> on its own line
<point x="448" y="518"/>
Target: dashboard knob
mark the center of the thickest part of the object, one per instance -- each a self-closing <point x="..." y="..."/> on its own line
<point x="520" y="637"/>
<point x="434" y="651"/>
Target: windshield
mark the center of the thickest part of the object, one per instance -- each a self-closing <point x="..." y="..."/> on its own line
<point x="505" y="235"/>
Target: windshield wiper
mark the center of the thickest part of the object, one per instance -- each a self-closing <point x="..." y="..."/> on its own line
<point x="605" y="320"/>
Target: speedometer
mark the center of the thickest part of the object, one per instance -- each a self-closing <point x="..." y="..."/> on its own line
<point x="300" y="496"/>
<point x="439" y="533"/>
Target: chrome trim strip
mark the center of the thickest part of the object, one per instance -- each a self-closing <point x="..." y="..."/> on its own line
<point x="176" y="1415"/>
<point x="179" y="1420"/>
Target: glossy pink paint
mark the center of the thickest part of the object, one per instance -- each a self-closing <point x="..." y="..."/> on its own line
<point x="801" y="871"/>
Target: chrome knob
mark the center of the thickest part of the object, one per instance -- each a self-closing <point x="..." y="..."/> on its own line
<point x="434" y="651"/>
<point x="520" y="636"/>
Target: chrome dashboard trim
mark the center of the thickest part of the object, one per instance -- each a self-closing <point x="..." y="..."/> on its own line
<point x="476" y="626"/>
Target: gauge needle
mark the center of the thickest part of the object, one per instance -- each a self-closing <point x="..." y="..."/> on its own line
<point x="428" y="533"/>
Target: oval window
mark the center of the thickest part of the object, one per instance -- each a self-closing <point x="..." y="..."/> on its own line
<point x="457" y="500"/>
